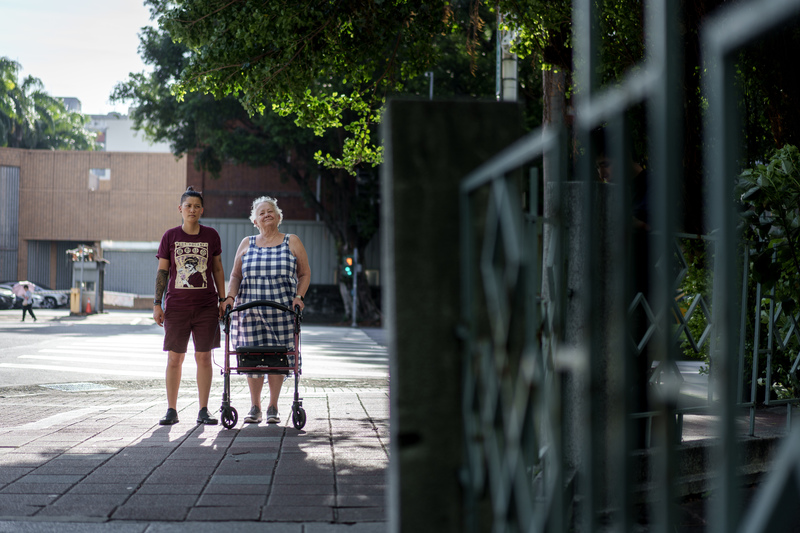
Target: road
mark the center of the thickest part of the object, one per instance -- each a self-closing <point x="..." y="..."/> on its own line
<point x="127" y="345"/>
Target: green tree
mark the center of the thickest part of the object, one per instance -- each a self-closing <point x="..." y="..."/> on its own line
<point x="223" y="129"/>
<point x="769" y="193"/>
<point x="219" y="130"/>
<point x="329" y="64"/>
<point x="31" y="118"/>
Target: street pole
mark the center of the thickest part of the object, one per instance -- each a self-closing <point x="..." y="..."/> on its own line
<point x="355" y="284"/>
<point x="506" y="81"/>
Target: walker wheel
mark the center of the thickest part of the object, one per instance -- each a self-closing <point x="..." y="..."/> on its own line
<point x="229" y="417"/>
<point x="299" y="417"/>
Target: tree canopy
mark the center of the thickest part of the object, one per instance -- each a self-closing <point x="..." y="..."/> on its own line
<point x="328" y="64"/>
<point x="331" y="64"/>
<point x="222" y="128"/>
<point x="31" y="118"/>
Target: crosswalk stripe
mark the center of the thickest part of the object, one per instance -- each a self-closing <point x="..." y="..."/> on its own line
<point x="96" y="371"/>
<point x="69" y="358"/>
<point x="146" y="354"/>
<point x="327" y="352"/>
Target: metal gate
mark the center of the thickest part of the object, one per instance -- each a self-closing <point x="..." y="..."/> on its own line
<point x="549" y="430"/>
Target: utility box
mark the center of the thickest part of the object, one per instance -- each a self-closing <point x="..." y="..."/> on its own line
<point x="75" y="301"/>
<point x="87" y="277"/>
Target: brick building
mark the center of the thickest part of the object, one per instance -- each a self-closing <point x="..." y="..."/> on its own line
<point x="232" y="194"/>
<point x="121" y="202"/>
<point x="53" y="200"/>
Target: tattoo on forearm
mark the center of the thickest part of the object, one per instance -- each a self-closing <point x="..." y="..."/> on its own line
<point x="161" y="282"/>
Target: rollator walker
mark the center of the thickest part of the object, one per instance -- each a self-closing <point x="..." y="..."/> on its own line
<point x="261" y="360"/>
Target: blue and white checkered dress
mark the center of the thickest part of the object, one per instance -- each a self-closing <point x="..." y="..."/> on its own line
<point x="267" y="274"/>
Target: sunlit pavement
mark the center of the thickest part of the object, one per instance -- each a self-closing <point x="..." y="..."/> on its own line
<point x="88" y="457"/>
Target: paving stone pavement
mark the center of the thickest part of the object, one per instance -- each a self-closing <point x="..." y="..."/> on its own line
<point x="97" y="461"/>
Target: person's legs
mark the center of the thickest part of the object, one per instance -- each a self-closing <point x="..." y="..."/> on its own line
<point x="24" y="310"/>
<point x="204" y="377"/>
<point x="30" y="310"/>
<point x="256" y="385"/>
<point x="275" y="386"/>
<point x="205" y="331"/>
<point x="176" y="340"/>
<point x="174" y="366"/>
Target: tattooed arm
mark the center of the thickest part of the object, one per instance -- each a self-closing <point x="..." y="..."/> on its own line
<point x="161" y="288"/>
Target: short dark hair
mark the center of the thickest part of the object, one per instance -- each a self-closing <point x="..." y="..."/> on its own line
<point x="190" y="192"/>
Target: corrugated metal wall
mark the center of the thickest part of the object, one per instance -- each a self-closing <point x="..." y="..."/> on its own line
<point x="63" y="264"/>
<point x="131" y="271"/>
<point x="318" y="242"/>
<point x="39" y="262"/>
<point x="9" y="222"/>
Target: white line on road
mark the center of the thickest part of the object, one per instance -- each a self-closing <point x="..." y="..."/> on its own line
<point x="101" y="361"/>
<point x="97" y="371"/>
<point x="138" y="354"/>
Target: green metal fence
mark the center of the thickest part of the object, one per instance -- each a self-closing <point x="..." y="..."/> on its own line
<point x="540" y="456"/>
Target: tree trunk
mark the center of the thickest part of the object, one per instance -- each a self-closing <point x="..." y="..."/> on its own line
<point x="347" y="298"/>
<point x="554" y="106"/>
<point x="368" y="310"/>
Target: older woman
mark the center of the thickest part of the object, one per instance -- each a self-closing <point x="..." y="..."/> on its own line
<point x="268" y="266"/>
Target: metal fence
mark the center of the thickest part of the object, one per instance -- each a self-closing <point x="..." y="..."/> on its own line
<point x="550" y="432"/>
<point x="9" y="222"/>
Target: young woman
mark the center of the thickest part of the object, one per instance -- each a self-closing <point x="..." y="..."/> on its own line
<point x="189" y="280"/>
<point x="268" y="266"/>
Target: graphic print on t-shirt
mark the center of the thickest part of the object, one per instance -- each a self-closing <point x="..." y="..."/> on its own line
<point x="191" y="264"/>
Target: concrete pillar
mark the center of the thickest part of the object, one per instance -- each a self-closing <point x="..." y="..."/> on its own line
<point x="429" y="148"/>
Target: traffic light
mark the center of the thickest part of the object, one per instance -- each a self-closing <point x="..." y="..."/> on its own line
<point x="347" y="267"/>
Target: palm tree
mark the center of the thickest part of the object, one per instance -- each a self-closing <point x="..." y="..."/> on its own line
<point x="8" y="85"/>
<point x="31" y="118"/>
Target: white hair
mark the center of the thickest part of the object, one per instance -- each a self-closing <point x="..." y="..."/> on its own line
<point x="269" y="200"/>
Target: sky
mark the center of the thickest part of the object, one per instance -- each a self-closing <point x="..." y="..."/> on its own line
<point x="78" y="48"/>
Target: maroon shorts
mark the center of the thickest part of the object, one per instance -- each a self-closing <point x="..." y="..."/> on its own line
<point x="202" y="323"/>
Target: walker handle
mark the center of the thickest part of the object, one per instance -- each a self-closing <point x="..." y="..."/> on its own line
<point x="261" y="303"/>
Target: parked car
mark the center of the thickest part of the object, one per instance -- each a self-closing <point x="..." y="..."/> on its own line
<point x="52" y="298"/>
<point x="38" y="299"/>
<point x="7" y="298"/>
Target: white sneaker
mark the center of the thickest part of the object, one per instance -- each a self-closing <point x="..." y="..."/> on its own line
<point x="272" y="415"/>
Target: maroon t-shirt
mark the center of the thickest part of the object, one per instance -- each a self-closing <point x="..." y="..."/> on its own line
<point x="191" y="283"/>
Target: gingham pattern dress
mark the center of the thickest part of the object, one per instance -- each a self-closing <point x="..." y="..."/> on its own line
<point x="267" y="274"/>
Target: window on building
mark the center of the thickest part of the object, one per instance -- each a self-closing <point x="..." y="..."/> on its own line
<point x="100" y="179"/>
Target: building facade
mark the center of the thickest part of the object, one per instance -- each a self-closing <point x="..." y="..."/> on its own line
<point x="52" y="201"/>
<point x="120" y="204"/>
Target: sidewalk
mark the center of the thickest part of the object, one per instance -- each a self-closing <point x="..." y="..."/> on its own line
<point x="97" y="461"/>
